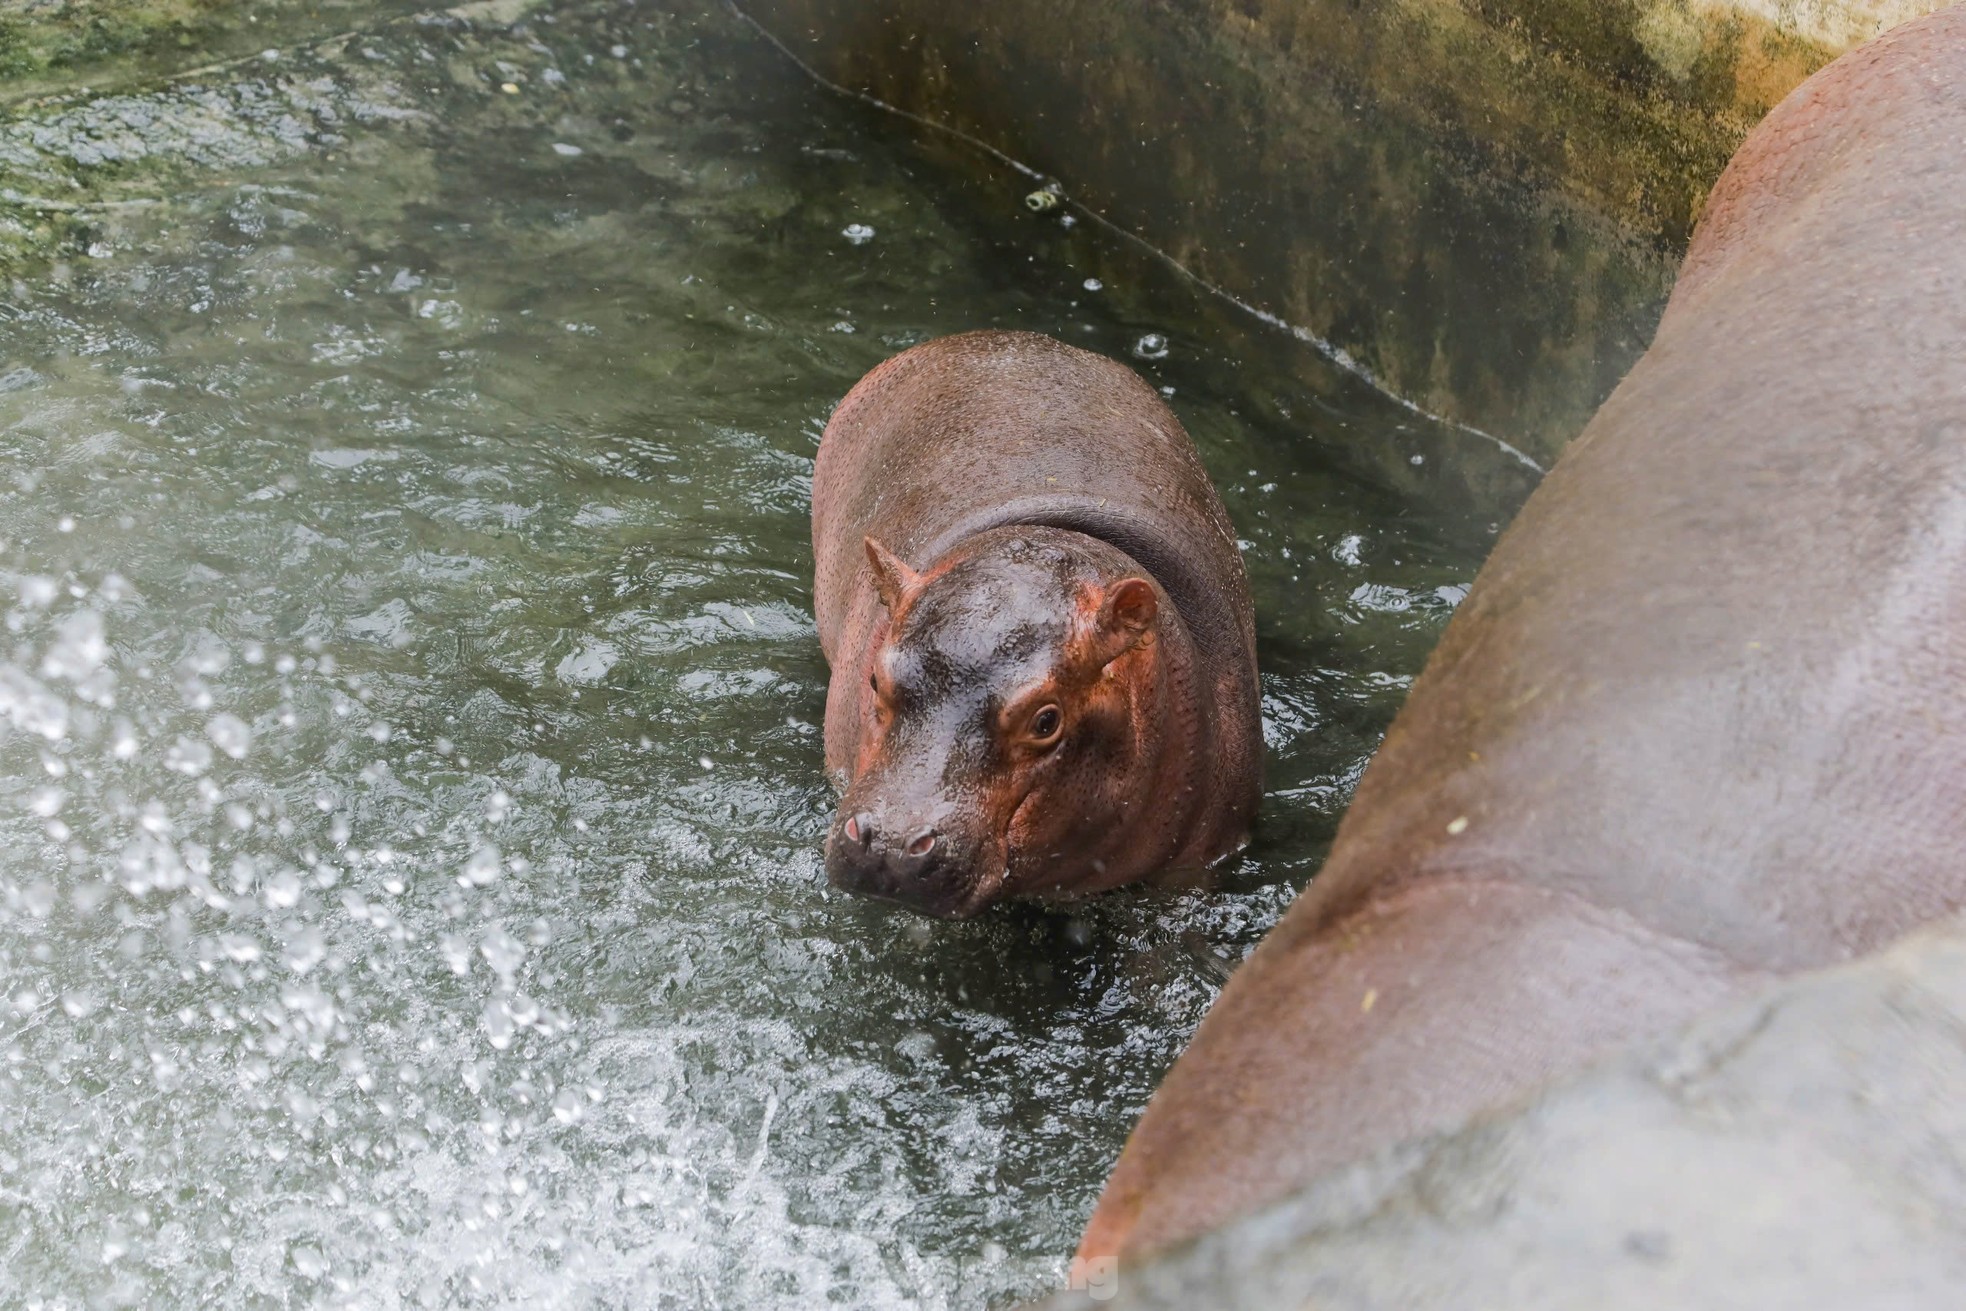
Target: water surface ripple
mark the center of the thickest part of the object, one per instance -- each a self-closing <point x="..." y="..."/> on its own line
<point x="410" y="788"/>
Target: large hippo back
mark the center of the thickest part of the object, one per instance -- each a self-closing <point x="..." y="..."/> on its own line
<point x="984" y="429"/>
<point x="1702" y="719"/>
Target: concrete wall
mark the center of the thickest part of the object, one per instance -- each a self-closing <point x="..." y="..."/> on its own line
<point x="1482" y="201"/>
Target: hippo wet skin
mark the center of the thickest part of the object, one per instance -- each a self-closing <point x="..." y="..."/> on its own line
<point x="1042" y="648"/>
<point x="1701" y="721"/>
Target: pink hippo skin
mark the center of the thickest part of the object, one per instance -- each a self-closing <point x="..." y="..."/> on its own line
<point x="1044" y="664"/>
<point x="1702" y="719"/>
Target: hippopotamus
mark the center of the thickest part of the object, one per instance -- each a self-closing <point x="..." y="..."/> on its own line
<point x="1042" y="647"/>
<point x="1700" y="722"/>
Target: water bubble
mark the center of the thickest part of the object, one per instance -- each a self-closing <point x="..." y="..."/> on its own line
<point x="503" y="953"/>
<point x="567" y="150"/>
<point x="304" y="950"/>
<point x="1041" y="200"/>
<point x="567" y="1106"/>
<point x="456" y="951"/>
<point x="238" y="948"/>
<point x="31" y="706"/>
<point x="858" y="233"/>
<point x="481" y="869"/>
<point x="1093" y="284"/>
<point x="46" y="801"/>
<point x="230" y="734"/>
<point x="38" y="591"/>
<point x="309" y="1262"/>
<point x="148" y="865"/>
<point x="283" y="890"/>
<point x="39" y="898"/>
<point x="318" y="1010"/>
<point x="499" y="1028"/>
<point x="523" y="1010"/>
<point x="208" y="656"/>
<point x="1152" y="346"/>
<point x="188" y="757"/>
<point x="79" y="648"/>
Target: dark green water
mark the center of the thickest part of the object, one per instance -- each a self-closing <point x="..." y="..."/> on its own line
<point x="410" y="788"/>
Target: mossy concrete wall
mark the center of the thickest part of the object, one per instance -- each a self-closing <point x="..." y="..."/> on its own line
<point x="1481" y="201"/>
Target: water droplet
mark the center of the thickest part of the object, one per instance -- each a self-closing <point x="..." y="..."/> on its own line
<point x="567" y="1106"/>
<point x="304" y="950"/>
<point x="503" y="953"/>
<point x="1093" y="284"/>
<point x="283" y="890"/>
<point x="230" y="734"/>
<point x="188" y="757"/>
<point x="858" y="233"/>
<point x="1152" y="346"/>
<point x="567" y="150"/>
<point x="238" y="948"/>
<point x="498" y="1026"/>
<point x="481" y="869"/>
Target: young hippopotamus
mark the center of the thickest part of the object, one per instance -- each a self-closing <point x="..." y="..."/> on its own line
<point x="1043" y="655"/>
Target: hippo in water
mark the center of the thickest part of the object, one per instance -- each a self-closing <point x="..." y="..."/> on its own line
<point x="1701" y="721"/>
<point x="1043" y="655"/>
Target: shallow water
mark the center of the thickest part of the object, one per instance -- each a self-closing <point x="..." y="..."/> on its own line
<point x="410" y="785"/>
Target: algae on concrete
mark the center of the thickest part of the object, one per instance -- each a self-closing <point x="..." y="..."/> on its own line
<point x="1481" y="202"/>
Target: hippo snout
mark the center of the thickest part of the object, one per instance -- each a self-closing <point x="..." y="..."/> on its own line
<point x="917" y="865"/>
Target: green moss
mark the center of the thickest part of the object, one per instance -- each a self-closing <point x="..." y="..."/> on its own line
<point x="44" y="39"/>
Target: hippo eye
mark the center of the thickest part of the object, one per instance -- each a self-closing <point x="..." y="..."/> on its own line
<point x="1045" y="724"/>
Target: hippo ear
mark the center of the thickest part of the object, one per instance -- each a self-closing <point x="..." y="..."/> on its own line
<point x="893" y="579"/>
<point x="1127" y="613"/>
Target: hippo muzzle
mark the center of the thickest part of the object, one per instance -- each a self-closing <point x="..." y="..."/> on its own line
<point x="928" y="866"/>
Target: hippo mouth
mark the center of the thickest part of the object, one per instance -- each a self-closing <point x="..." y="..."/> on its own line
<point x="948" y="881"/>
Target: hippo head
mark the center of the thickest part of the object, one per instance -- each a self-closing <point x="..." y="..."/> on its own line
<point x="1011" y="726"/>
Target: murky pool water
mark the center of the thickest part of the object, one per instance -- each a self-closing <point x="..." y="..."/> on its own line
<point x="410" y="787"/>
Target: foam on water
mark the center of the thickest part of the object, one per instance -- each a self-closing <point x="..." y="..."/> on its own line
<point x="410" y="788"/>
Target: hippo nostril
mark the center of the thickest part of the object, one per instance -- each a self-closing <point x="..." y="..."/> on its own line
<point x="922" y="843"/>
<point x="860" y="829"/>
